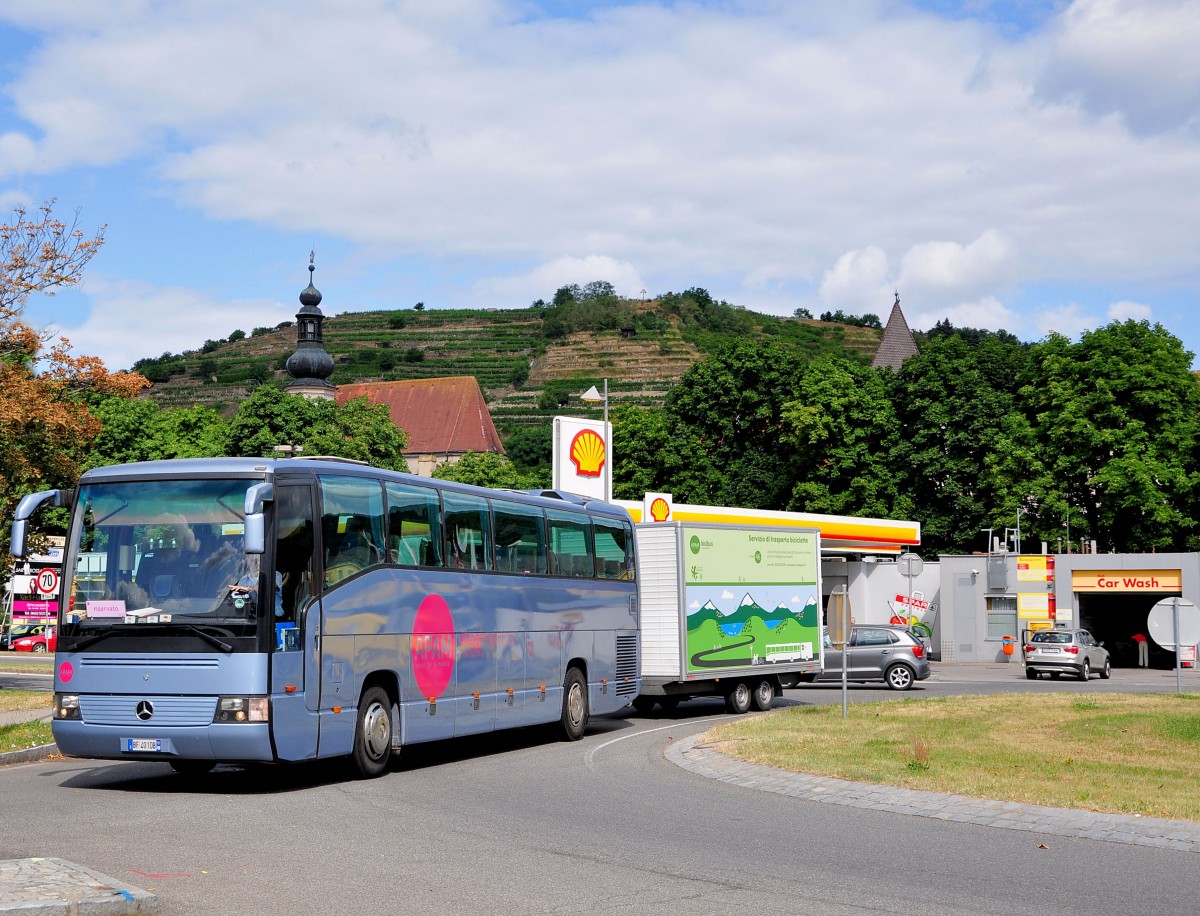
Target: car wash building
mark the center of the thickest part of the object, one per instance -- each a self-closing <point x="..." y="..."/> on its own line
<point x="987" y="597"/>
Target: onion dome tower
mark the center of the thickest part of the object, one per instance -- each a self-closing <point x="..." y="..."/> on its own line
<point x="310" y="366"/>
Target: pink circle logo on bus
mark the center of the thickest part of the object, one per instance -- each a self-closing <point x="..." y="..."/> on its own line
<point x="433" y="646"/>
<point x="66" y="671"/>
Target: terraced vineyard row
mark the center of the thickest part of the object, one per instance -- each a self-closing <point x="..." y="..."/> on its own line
<point x="506" y="351"/>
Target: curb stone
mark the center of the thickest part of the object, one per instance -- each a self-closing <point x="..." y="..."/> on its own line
<point x="56" y="886"/>
<point x="706" y="760"/>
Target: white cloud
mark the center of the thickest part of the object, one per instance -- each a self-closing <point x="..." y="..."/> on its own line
<point x="1126" y="311"/>
<point x="859" y="280"/>
<point x="742" y="147"/>
<point x="937" y="270"/>
<point x="726" y="595"/>
<point x="545" y="279"/>
<point x="116" y="329"/>
<point x="1134" y="58"/>
<point x="987" y="313"/>
<point x="1070" y="320"/>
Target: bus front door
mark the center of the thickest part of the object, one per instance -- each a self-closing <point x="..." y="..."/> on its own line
<point x="295" y="655"/>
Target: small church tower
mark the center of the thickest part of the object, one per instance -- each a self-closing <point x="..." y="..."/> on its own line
<point x="897" y="344"/>
<point x="310" y="366"/>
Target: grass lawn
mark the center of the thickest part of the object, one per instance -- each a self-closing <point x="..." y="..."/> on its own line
<point x="19" y="736"/>
<point x="1119" y="753"/>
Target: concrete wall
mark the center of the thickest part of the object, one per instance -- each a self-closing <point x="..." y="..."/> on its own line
<point x="874" y="583"/>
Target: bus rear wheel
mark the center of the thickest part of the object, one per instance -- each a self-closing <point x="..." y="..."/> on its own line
<point x="373" y="735"/>
<point x="574" y="717"/>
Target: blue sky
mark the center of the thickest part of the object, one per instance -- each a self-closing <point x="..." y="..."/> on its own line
<point x="1030" y="165"/>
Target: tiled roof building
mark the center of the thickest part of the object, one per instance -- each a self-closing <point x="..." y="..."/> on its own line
<point x="897" y="344"/>
<point x="444" y="417"/>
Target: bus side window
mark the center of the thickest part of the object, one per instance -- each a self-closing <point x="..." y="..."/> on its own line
<point x="613" y="555"/>
<point x="570" y="539"/>
<point x="414" y="517"/>
<point x="468" y="528"/>
<point x="352" y="525"/>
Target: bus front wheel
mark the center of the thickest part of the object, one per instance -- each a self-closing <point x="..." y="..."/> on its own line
<point x="575" y="705"/>
<point x="373" y="735"/>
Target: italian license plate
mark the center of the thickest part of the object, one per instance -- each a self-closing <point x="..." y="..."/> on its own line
<point x="144" y="745"/>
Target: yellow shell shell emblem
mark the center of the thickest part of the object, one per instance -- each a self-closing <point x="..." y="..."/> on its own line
<point x="587" y="453"/>
<point x="659" y="510"/>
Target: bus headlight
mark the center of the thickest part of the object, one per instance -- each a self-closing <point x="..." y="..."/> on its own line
<point x="242" y="709"/>
<point x="66" y="706"/>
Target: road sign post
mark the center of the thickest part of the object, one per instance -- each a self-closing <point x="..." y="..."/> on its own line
<point x="1174" y="623"/>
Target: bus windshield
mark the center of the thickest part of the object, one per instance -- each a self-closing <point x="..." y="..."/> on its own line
<point x="160" y="555"/>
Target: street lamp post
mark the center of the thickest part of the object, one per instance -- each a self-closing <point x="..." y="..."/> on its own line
<point x="592" y="396"/>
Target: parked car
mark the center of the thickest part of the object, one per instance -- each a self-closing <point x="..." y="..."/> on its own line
<point x="16" y="631"/>
<point x="1055" y="651"/>
<point x="889" y="653"/>
<point x="41" y="639"/>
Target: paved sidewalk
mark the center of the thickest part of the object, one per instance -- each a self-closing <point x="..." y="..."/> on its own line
<point x="56" y="887"/>
<point x="707" y="760"/>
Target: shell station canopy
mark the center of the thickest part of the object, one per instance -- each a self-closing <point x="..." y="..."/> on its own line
<point x="839" y="533"/>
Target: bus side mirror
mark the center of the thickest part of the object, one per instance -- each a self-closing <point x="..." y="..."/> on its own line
<point x="256" y="525"/>
<point x="56" y="499"/>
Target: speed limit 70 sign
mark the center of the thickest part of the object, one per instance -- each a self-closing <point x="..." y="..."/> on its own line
<point x="46" y="581"/>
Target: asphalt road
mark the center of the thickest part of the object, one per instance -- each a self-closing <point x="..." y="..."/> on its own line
<point x="522" y="823"/>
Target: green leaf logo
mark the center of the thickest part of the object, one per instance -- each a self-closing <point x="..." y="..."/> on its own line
<point x="757" y="556"/>
<point x="695" y="543"/>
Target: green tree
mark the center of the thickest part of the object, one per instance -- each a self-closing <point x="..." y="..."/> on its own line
<point x="532" y="447"/>
<point x="45" y="424"/>
<point x="957" y="402"/>
<point x="843" y="430"/>
<point x="483" y="469"/>
<point x="358" y="429"/>
<point x="140" y="430"/>
<point x="1113" y="430"/>
<point x="727" y="413"/>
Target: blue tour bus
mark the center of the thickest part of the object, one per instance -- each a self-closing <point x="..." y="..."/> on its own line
<point x="245" y="609"/>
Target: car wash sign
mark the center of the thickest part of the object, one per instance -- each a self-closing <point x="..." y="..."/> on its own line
<point x="1102" y="581"/>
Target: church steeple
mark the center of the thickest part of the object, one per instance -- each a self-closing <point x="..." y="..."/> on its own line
<point x="897" y="343"/>
<point x="310" y="366"/>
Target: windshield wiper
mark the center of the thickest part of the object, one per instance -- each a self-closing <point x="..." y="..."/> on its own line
<point x="207" y="637"/>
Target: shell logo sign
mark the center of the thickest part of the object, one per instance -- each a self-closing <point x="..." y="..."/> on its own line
<point x="583" y="457"/>
<point x="657" y="507"/>
<point x="587" y="453"/>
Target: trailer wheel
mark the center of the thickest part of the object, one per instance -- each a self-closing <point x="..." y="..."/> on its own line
<point x="574" y="717"/>
<point x="764" y="695"/>
<point x="739" y="697"/>
<point x="669" y="704"/>
<point x="643" y="705"/>
<point x="373" y="735"/>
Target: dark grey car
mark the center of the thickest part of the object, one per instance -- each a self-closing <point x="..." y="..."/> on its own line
<point x="888" y="653"/>
<point x="1058" y="650"/>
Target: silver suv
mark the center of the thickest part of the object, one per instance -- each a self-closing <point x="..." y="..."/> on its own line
<point x="1055" y="651"/>
<point x="888" y="653"/>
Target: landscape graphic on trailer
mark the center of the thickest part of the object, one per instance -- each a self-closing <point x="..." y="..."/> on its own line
<point x="753" y="597"/>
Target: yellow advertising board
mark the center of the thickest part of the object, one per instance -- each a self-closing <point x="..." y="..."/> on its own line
<point x="1031" y="568"/>
<point x="1033" y="605"/>
<point x="1103" y="581"/>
